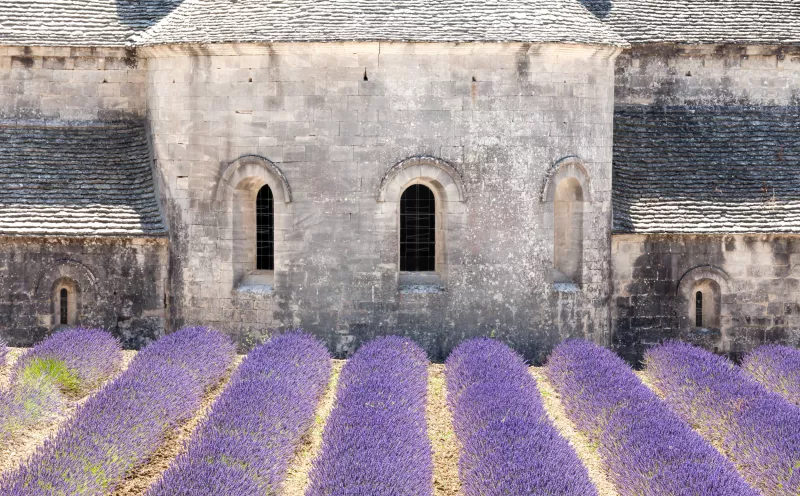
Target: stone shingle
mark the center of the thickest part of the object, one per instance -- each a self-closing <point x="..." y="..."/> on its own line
<point x="756" y="22"/>
<point x="77" y="22"/>
<point x="218" y="21"/>
<point x="77" y="180"/>
<point x="706" y="170"/>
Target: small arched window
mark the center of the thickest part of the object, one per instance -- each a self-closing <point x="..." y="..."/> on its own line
<point x="265" y="229"/>
<point x="568" y="231"/>
<point x="698" y="309"/>
<point x="64" y="307"/>
<point x="418" y="229"/>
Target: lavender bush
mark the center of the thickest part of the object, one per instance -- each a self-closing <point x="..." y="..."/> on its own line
<point x="72" y="362"/>
<point x="77" y="359"/>
<point x="375" y="441"/>
<point x="645" y="448"/>
<point x="777" y="368"/>
<point x="124" y="423"/>
<point x="3" y="353"/>
<point x="254" y="428"/>
<point x="756" y="429"/>
<point x="508" y="445"/>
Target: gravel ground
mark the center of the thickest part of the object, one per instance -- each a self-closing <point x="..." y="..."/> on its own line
<point x="443" y="438"/>
<point x="580" y="443"/>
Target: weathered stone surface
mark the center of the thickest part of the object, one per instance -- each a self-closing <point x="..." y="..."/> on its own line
<point x="760" y="290"/>
<point x="121" y="286"/>
<point x="502" y="116"/>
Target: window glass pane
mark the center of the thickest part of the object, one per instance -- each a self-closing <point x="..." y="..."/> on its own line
<point x="64" y="306"/>
<point x="417" y="229"/>
<point x="265" y="230"/>
<point x="698" y="309"/>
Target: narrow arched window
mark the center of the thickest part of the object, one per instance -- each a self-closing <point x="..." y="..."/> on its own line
<point x="568" y="231"/>
<point x="418" y="229"/>
<point x="698" y="309"/>
<point x="64" y="306"/>
<point x="265" y="230"/>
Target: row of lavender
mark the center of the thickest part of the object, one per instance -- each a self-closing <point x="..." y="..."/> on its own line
<point x="124" y="422"/>
<point x="63" y="368"/>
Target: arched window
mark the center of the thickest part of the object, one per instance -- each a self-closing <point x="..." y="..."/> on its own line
<point x="698" y="310"/>
<point x="418" y="229"/>
<point x="568" y="231"/>
<point x="64" y="307"/>
<point x="706" y="305"/>
<point x="265" y="229"/>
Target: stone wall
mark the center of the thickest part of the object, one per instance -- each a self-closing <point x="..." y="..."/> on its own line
<point x="496" y="123"/>
<point x="708" y="75"/>
<point x="758" y="278"/>
<point x="119" y="285"/>
<point x="71" y="83"/>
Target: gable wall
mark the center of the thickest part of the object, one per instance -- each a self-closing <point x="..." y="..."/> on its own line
<point x="502" y="115"/>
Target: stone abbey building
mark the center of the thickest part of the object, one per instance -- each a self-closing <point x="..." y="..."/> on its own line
<point x="626" y="171"/>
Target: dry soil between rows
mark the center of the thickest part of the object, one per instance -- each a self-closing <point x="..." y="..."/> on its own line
<point x="138" y="480"/>
<point x="586" y="451"/>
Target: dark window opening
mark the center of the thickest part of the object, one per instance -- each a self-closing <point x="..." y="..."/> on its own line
<point x="64" y="306"/>
<point x="265" y="230"/>
<point x="417" y="229"/>
<point x="698" y="309"/>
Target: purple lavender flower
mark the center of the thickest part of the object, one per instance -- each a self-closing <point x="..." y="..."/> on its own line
<point x="777" y="368"/>
<point x="3" y="353"/>
<point x="508" y="445"/>
<point x="645" y="448"/>
<point x="375" y="441"/>
<point x="256" y="425"/>
<point x="125" y="422"/>
<point x="77" y="359"/>
<point x="756" y="429"/>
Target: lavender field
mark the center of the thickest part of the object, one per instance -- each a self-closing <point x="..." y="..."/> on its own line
<point x="187" y="416"/>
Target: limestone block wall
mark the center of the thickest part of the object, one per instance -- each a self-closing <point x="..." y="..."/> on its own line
<point x="71" y="83"/>
<point x="758" y="278"/>
<point x="119" y="285"/>
<point x="339" y="123"/>
<point x="668" y="74"/>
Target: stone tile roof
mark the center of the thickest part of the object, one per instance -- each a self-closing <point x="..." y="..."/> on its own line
<point x="77" y="180"/>
<point x="218" y="21"/>
<point x="706" y="170"/>
<point x="755" y="22"/>
<point x="77" y="22"/>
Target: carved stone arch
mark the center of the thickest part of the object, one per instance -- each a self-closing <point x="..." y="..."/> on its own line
<point x="699" y="273"/>
<point x="430" y="169"/>
<point x="566" y="168"/>
<point x="253" y="167"/>
<point x="77" y="278"/>
<point x="65" y="269"/>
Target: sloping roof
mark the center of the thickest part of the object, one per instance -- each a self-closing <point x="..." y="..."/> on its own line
<point x="77" y="22"/>
<point x="706" y="170"/>
<point x="218" y="21"/>
<point x="77" y="180"/>
<point x="756" y="22"/>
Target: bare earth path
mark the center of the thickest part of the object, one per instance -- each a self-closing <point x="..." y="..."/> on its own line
<point x="22" y="446"/>
<point x="138" y="480"/>
<point x="297" y="480"/>
<point x="443" y="439"/>
<point x="579" y="442"/>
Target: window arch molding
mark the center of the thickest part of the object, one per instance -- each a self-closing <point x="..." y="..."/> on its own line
<point x="566" y="168"/>
<point x="253" y="168"/>
<point x="74" y="276"/>
<point x="426" y="170"/>
<point x="703" y="286"/>
<point x="238" y="191"/>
